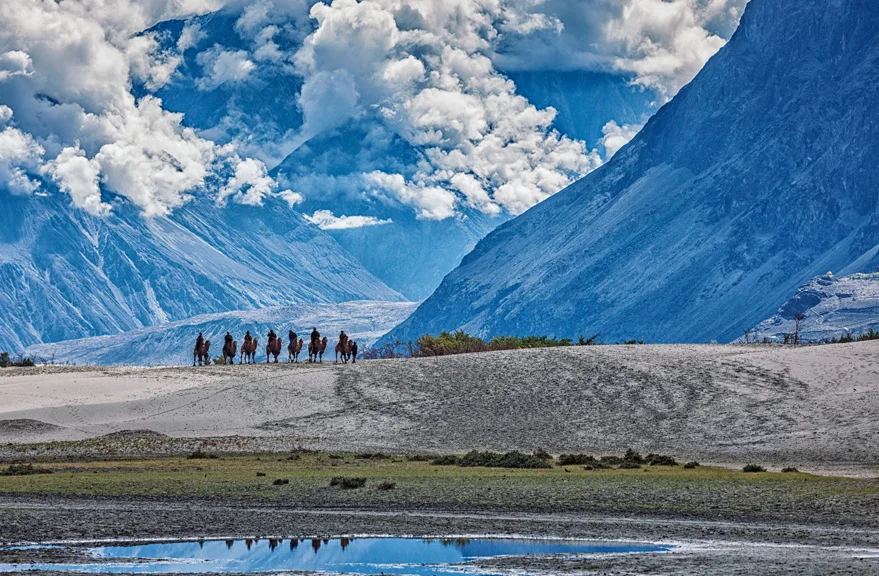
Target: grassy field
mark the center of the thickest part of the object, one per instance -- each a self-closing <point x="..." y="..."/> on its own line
<point x="305" y="481"/>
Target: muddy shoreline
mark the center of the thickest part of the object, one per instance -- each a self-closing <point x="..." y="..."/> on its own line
<point x="704" y="545"/>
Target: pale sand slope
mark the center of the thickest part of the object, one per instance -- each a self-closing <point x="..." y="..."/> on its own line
<point x="812" y="406"/>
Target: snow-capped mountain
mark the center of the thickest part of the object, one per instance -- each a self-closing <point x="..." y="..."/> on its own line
<point x="65" y="274"/>
<point x="833" y="307"/>
<point x="757" y="176"/>
<point x="171" y="343"/>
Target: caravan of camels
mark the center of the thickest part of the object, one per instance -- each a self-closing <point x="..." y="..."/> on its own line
<point x="346" y="348"/>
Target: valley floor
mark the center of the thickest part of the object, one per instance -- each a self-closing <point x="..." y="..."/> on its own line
<point x="812" y="407"/>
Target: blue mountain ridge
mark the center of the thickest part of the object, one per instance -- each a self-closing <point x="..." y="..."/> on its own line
<point x="758" y="176"/>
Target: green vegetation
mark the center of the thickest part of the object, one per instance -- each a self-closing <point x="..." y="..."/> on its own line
<point x="24" y="470"/>
<point x="706" y="490"/>
<point x="20" y="362"/>
<point x="459" y="342"/>
<point x="753" y="468"/>
<point x="789" y="469"/>
<point x="848" y="338"/>
<point x="475" y="458"/>
<point x="691" y="465"/>
<point x="202" y="455"/>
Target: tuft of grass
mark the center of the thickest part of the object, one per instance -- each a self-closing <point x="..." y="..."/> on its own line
<point x="691" y="465"/>
<point x="628" y="465"/>
<point x="281" y="482"/>
<point x="24" y="470"/>
<point x="348" y="483"/>
<point x="387" y="485"/>
<point x="753" y="468"/>
<point x="789" y="469"/>
<point x="202" y="455"/>
<point x="260" y="474"/>
<point x="419" y="458"/>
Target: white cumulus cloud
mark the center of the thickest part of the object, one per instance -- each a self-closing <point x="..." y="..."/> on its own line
<point x="326" y="220"/>
<point x="66" y="73"/>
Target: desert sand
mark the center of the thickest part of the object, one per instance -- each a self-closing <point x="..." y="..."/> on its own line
<point x="814" y="407"/>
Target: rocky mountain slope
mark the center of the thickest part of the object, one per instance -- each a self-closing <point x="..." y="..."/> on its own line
<point x="834" y="307"/>
<point x="758" y="176"/>
<point x="170" y="344"/>
<point x="65" y="274"/>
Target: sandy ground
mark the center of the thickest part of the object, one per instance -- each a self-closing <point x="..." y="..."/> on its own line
<point x="813" y="407"/>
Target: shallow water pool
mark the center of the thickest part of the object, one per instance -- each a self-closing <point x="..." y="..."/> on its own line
<point x="342" y="555"/>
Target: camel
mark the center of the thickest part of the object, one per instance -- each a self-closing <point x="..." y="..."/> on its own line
<point x="293" y="350"/>
<point x="317" y="355"/>
<point x="273" y="348"/>
<point x="248" y="353"/>
<point x="343" y="349"/>
<point x="202" y="354"/>
<point x="229" y="352"/>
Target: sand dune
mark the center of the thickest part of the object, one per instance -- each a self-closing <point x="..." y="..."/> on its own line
<point x="805" y="406"/>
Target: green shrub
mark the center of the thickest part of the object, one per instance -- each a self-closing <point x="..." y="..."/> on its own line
<point x="348" y="483"/>
<point x="281" y="482"/>
<point x="628" y="465"/>
<point x="691" y="465"/>
<point x="542" y="454"/>
<point x="612" y="460"/>
<point x="387" y="485"/>
<point x="576" y="459"/>
<point x="632" y="456"/>
<point x="789" y="469"/>
<point x="753" y="468"/>
<point x="448" y="460"/>
<point x="202" y="455"/>
<point x="372" y="456"/>
<point x="513" y="459"/>
<point x="5" y="361"/>
<point x="660" y="460"/>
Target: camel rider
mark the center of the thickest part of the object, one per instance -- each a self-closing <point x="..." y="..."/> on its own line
<point x="272" y="335"/>
<point x="199" y="342"/>
<point x="343" y="338"/>
<point x="315" y="335"/>
<point x="228" y="340"/>
<point x="292" y="335"/>
<point x="248" y="338"/>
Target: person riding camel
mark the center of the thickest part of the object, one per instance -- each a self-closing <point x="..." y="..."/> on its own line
<point x="227" y="339"/>
<point x="292" y="336"/>
<point x="248" y="338"/>
<point x="199" y="342"/>
<point x="272" y="335"/>
<point x="315" y="339"/>
<point x="343" y="338"/>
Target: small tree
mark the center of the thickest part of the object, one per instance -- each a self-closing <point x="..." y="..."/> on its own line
<point x="798" y="323"/>
<point x="5" y="361"/>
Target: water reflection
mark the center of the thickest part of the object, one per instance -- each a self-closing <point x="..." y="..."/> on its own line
<point x="442" y="556"/>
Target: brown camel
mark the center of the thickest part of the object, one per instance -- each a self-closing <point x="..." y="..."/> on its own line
<point x="318" y="354"/>
<point x="248" y="353"/>
<point x="293" y="350"/>
<point x="229" y="352"/>
<point x="202" y="355"/>
<point x="343" y="349"/>
<point x="273" y="348"/>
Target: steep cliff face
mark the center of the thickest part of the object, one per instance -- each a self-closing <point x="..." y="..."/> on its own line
<point x="759" y="175"/>
<point x="65" y="274"/>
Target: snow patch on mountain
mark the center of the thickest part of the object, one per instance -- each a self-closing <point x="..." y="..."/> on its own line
<point x="172" y="343"/>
